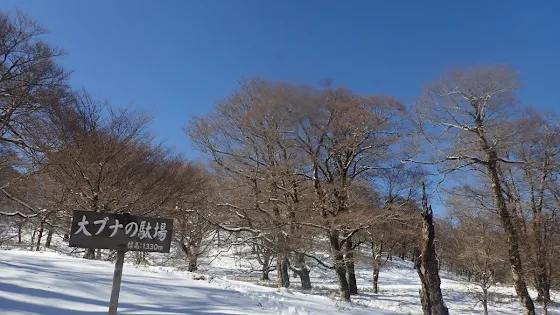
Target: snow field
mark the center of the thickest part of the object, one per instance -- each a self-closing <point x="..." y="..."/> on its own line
<point x="48" y="283"/>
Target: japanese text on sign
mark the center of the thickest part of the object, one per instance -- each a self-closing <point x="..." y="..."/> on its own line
<point x="131" y="229"/>
<point x="116" y="231"/>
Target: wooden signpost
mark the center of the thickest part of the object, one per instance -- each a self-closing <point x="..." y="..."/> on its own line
<point x="121" y="232"/>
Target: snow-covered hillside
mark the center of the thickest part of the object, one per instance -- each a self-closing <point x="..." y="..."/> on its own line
<point x="49" y="283"/>
<point x="399" y="285"/>
<point x="52" y="284"/>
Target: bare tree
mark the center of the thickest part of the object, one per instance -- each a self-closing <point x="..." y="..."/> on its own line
<point x="297" y="150"/>
<point x="528" y="188"/>
<point x="344" y="137"/>
<point x="246" y="136"/>
<point x="32" y="84"/>
<point x="476" y="243"/>
<point x="193" y="234"/>
<point x="469" y="113"/>
<point x="107" y="161"/>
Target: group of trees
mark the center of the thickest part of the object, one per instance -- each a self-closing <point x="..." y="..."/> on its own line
<point x="295" y="172"/>
<point x="64" y="150"/>
<point x="471" y="122"/>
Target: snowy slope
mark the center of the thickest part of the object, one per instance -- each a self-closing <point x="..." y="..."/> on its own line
<point x="52" y="284"/>
<point x="49" y="283"/>
<point x="399" y="285"/>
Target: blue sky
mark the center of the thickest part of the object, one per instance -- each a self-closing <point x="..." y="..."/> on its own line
<point x="176" y="58"/>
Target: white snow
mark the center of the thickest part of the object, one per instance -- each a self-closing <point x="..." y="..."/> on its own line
<point x="49" y="283"/>
<point x="398" y="283"/>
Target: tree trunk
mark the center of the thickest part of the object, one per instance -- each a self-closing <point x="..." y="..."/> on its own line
<point x="98" y="254"/>
<point x="376" y="276"/>
<point x="305" y="278"/>
<point x="49" y="239"/>
<point x="542" y="279"/>
<point x="33" y="239"/>
<point x="350" y="270"/>
<point x="90" y="253"/>
<point x="40" y="235"/>
<point x="512" y="237"/>
<point x="282" y="270"/>
<point x="265" y="272"/>
<point x="427" y="265"/>
<point x="376" y="266"/>
<point x="485" y="300"/>
<point x="193" y="266"/>
<point x="192" y="257"/>
<point x="339" y="266"/>
<point x="424" y="291"/>
<point x="19" y="233"/>
<point x="302" y="270"/>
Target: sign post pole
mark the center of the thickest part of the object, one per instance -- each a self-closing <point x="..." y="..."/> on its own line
<point x="117" y="277"/>
<point x="121" y="232"/>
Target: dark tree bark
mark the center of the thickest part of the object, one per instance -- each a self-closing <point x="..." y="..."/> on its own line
<point x="19" y="233"/>
<point x="302" y="270"/>
<point x="33" y="239"/>
<point x="282" y="266"/>
<point x="376" y="276"/>
<point x="427" y="265"/>
<point x="376" y="267"/>
<point x="339" y="266"/>
<point x="265" y="272"/>
<point x="49" y="239"/>
<point x="90" y="253"/>
<point x="192" y="257"/>
<point x="511" y="232"/>
<point x="350" y="270"/>
<point x="485" y="280"/>
<point x="403" y="251"/>
<point x="542" y="276"/>
<point x="305" y="278"/>
<point x="193" y="264"/>
<point x="485" y="300"/>
<point x="40" y="235"/>
<point x="265" y="258"/>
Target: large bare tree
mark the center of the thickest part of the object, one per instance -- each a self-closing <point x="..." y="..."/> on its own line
<point x="528" y="187"/>
<point x="297" y="150"/>
<point x="107" y="161"/>
<point x="466" y="117"/>
<point x="32" y="83"/>
<point x="344" y="137"/>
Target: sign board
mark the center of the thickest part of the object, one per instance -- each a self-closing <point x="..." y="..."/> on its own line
<point x="120" y="231"/>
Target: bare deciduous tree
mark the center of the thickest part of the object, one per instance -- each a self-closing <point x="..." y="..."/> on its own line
<point x="32" y="84"/>
<point x="476" y="243"/>
<point x="106" y="161"/>
<point x="469" y="117"/>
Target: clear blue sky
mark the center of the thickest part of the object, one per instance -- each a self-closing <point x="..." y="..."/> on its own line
<point x="178" y="57"/>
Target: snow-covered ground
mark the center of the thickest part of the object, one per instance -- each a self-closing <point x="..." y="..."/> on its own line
<point x="49" y="283"/>
<point x="52" y="284"/>
<point x="399" y="288"/>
